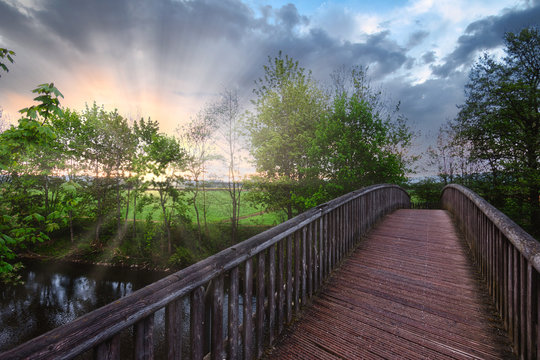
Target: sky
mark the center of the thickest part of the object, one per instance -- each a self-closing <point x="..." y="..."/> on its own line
<point x="165" y="59"/>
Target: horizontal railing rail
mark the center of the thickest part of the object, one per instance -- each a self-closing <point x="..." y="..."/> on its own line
<point x="234" y="303"/>
<point x="508" y="259"/>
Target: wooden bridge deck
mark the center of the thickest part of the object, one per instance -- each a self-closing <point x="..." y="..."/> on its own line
<point x="408" y="292"/>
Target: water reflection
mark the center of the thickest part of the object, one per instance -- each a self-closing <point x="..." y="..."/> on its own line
<point x="55" y="294"/>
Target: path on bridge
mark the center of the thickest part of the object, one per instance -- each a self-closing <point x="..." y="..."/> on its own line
<point x="408" y="292"/>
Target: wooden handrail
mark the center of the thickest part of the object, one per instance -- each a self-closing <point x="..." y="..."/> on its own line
<point x="508" y="259"/>
<point x="281" y="268"/>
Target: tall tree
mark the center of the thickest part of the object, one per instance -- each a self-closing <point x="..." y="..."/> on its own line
<point x="21" y="220"/>
<point x="500" y="118"/>
<point x="358" y="141"/>
<point x="226" y="111"/>
<point x="165" y="158"/>
<point x="287" y="109"/>
<point x="198" y="141"/>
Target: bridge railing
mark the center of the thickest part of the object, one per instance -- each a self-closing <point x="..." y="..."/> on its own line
<point x="232" y="304"/>
<point x="508" y="259"/>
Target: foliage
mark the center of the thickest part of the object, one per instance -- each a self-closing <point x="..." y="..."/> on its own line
<point x="6" y="54"/>
<point x="356" y="145"/>
<point x="287" y="110"/>
<point x="182" y="258"/>
<point x="500" y="120"/>
<point x="21" y="220"/>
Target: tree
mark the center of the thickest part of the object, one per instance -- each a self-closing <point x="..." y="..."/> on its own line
<point x="6" y="54"/>
<point x="165" y="158"/>
<point x="107" y="146"/>
<point x="197" y="138"/>
<point x="452" y="156"/>
<point x="145" y="132"/>
<point x="21" y="221"/>
<point x="287" y="109"/>
<point x="226" y="112"/>
<point x="357" y="143"/>
<point x="500" y="118"/>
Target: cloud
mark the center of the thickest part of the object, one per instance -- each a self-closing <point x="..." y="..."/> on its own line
<point x="429" y="57"/>
<point x="416" y="38"/>
<point x="484" y="34"/>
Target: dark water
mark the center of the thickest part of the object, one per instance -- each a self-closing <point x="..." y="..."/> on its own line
<point x="56" y="293"/>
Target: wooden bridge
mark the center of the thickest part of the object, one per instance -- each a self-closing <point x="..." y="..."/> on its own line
<point x="360" y="277"/>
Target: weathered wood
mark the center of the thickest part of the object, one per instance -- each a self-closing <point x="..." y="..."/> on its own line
<point x="281" y="285"/>
<point x="531" y="312"/>
<point x="144" y="341"/>
<point x="522" y="305"/>
<point x="233" y="314"/>
<point x="259" y="320"/>
<point x="108" y="350"/>
<point x="515" y="300"/>
<point x="321" y="251"/>
<point x="297" y="261"/>
<point x="197" y="323"/>
<point x="173" y="326"/>
<point x="289" y="284"/>
<point x="248" y="312"/>
<point x="306" y="272"/>
<point x="217" y="348"/>
<point x="271" y="294"/>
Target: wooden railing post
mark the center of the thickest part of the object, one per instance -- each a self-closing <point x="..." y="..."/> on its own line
<point x="197" y="323"/>
<point x="174" y="324"/>
<point x="233" y="313"/>
<point x="248" y="311"/>
<point x="108" y="350"/>
<point x="144" y="340"/>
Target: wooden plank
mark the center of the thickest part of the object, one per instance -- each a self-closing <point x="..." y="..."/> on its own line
<point x="217" y="349"/>
<point x="288" y="282"/>
<point x="173" y="326"/>
<point x="297" y="262"/>
<point x="143" y="339"/>
<point x="531" y="312"/>
<point x="281" y="290"/>
<point x="233" y="314"/>
<point x="248" y="312"/>
<point x="259" y="319"/>
<point x="108" y="350"/>
<point x="309" y="264"/>
<point x="271" y="294"/>
<point x="197" y="323"/>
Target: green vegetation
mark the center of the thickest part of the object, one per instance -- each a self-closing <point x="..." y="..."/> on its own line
<point x="310" y="147"/>
<point x="8" y="55"/>
<point x="493" y="146"/>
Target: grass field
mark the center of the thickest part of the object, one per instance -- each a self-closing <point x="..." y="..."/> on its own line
<point x="218" y="210"/>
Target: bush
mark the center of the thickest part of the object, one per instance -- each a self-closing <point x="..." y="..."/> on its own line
<point x="182" y="257"/>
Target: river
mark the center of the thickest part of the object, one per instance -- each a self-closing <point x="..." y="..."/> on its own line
<point x="53" y="294"/>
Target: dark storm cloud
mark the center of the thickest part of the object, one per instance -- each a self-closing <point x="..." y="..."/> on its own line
<point x="416" y="38"/>
<point x="429" y="57"/>
<point x="486" y="34"/>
